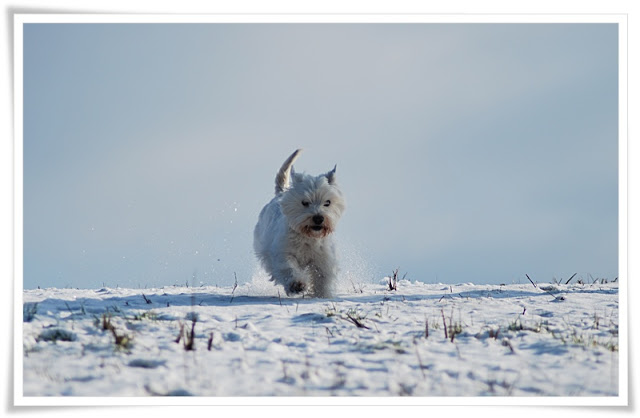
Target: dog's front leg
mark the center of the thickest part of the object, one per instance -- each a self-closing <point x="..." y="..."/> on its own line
<point x="292" y="276"/>
<point x="323" y="279"/>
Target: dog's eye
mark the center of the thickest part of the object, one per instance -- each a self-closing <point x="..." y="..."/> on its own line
<point x="327" y="203"/>
<point x="305" y="203"/>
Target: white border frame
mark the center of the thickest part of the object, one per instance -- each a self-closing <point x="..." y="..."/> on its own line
<point x="621" y="19"/>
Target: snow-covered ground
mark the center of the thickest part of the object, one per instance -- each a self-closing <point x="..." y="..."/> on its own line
<point x="553" y="340"/>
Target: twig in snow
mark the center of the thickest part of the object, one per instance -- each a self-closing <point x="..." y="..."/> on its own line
<point x="534" y="285"/>
<point x="574" y="275"/>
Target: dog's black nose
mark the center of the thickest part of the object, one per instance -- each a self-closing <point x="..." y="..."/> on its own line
<point x="318" y="219"/>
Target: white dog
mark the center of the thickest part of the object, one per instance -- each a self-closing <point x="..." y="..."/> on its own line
<point x="293" y="236"/>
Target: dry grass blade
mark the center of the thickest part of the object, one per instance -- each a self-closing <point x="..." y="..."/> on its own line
<point x="122" y="341"/>
<point x="190" y="338"/>
<point x="545" y="290"/>
<point x="393" y="280"/>
<point x="177" y="340"/>
<point x="424" y="376"/>
<point x="444" y="322"/>
<point x="426" y="328"/>
<point x="235" y="285"/>
<point x="554" y="296"/>
<point x="357" y="322"/>
<point x="106" y="322"/>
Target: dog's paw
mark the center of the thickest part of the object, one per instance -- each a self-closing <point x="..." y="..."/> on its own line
<point x="297" y="287"/>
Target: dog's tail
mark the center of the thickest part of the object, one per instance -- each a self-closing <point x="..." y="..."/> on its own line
<point x="283" y="176"/>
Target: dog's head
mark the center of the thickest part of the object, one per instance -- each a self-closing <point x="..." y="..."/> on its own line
<point x="313" y="205"/>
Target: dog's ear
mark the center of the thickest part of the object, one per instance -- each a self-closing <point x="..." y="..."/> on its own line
<point x="331" y="175"/>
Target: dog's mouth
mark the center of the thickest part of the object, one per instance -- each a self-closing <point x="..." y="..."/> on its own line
<point x="316" y="231"/>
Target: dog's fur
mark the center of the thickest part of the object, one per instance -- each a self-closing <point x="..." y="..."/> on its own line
<point x="293" y="236"/>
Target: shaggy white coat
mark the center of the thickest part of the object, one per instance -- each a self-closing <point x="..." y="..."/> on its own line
<point x="295" y="249"/>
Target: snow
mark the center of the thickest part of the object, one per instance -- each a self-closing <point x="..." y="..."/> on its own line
<point x="512" y="340"/>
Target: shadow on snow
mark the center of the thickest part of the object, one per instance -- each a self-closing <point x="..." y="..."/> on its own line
<point x="150" y="300"/>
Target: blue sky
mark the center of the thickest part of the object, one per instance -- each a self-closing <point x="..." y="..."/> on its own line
<point x="467" y="152"/>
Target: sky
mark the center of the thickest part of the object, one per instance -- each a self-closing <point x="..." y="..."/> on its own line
<point x="466" y="152"/>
